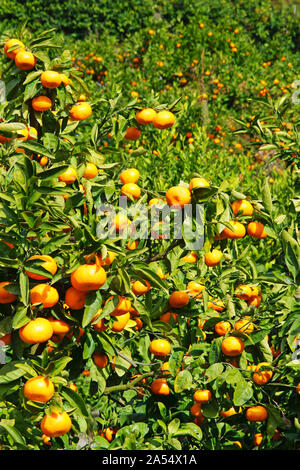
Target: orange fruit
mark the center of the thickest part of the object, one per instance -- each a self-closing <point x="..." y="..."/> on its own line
<point x="256" y="230"/>
<point x="50" y="265"/>
<point x="178" y="196"/>
<point x="121" y="222"/>
<point x="11" y="43"/>
<point x="166" y="317"/>
<point x="132" y="133"/>
<point x="261" y="377"/>
<point x="120" y="322"/>
<point x="160" y="387"/>
<point x="36" y="331"/>
<point x="5" y="296"/>
<point x="68" y="176"/>
<point x="60" y="327"/>
<point x="100" y="325"/>
<point x="140" y="288"/>
<point x="131" y="189"/>
<point x="160" y="347"/>
<point x="51" y="79"/>
<point x="41" y="103"/>
<point x="198" y="182"/>
<point x="243" y="292"/>
<point x="80" y="111"/>
<point x="257" y="439"/>
<point x="232" y="346"/>
<point x="73" y="387"/>
<point x="88" y="277"/>
<point x="196" y="410"/>
<point x="254" y="301"/>
<point x="65" y="79"/>
<point x="100" y="359"/>
<point x="298" y="388"/>
<point x="145" y="116"/>
<point x="230" y="412"/>
<point x="195" y="289"/>
<point x="124" y="306"/>
<point x="242" y="206"/>
<point x="56" y="424"/>
<point x="165" y="368"/>
<point x="256" y="413"/>
<point x="238" y="231"/>
<point x="81" y="97"/>
<point x="111" y="256"/>
<point x="6" y="339"/>
<point x="131" y="175"/>
<point x="202" y="396"/>
<point x="163" y="120"/>
<point x="190" y="258"/>
<point x="45" y="295"/>
<point x="213" y="258"/>
<point x="39" y="389"/>
<point x="222" y="328"/>
<point x="179" y="299"/>
<point x="91" y="171"/>
<point x="244" y="325"/>
<point x="108" y="434"/>
<point x="216" y="304"/>
<point x="277" y="436"/>
<point x="25" y="60"/>
<point x="75" y="299"/>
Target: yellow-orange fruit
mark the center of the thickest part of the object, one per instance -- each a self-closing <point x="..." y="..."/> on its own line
<point x="56" y="424"/>
<point x="39" y="389"/>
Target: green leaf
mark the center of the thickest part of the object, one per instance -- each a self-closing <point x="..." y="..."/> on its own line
<point x="13" y="432"/>
<point x="55" y="367"/>
<point x="92" y="306"/>
<point x="9" y="372"/>
<point x="242" y="393"/>
<point x="183" y="381"/>
<point x="266" y="196"/>
<point x="75" y="400"/>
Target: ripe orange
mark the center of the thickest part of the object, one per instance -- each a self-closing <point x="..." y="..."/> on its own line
<point x="222" y="328"/>
<point x="238" y="231"/>
<point x="108" y="433"/>
<point x="11" y="43"/>
<point x="254" y="301"/>
<point x="56" y="424"/>
<point x="202" y="396"/>
<point x="91" y="171"/>
<point x="160" y="347"/>
<point x="213" y="258"/>
<point x="124" y="306"/>
<point x="243" y="206"/>
<point x="131" y="189"/>
<point x="100" y="359"/>
<point x="5" y="296"/>
<point x="45" y="295"/>
<point x="120" y="322"/>
<point x="132" y="133"/>
<point x="51" y="79"/>
<point x="81" y="97"/>
<point x="196" y="410"/>
<point x="298" y="388"/>
<point x="163" y="120"/>
<point x="178" y="196"/>
<point x="75" y="299"/>
<point x="230" y="412"/>
<point x="216" y="304"/>
<point x="198" y="182"/>
<point x="68" y="176"/>
<point x="166" y="317"/>
<point x="65" y="79"/>
<point x="111" y="256"/>
<point x="60" y="327"/>
<point x="243" y="292"/>
<point x="256" y="413"/>
<point x="100" y="325"/>
<point x="190" y="258"/>
<point x="25" y="60"/>
<point x="195" y="289"/>
<point x="256" y="230"/>
<point x="232" y="346"/>
<point x="88" y="277"/>
<point x="245" y="325"/>
<point x="140" y="288"/>
<point x="73" y="387"/>
<point x="36" y="331"/>
<point x="179" y="299"/>
<point x="6" y="339"/>
<point x="121" y="222"/>
<point x="50" y="265"/>
<point x="257" y="439"/>
<point x="39" y="389"/>
<point x="131" y="175"/>
<point x="41" y="103"/>
<point x="261" y="377"/>
<point x="80" y="111"/>
<point x="145" y="116"/>
<point x="160" y="387"/>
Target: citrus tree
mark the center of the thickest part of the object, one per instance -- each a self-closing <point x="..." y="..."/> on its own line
<point x="116" y="331"/>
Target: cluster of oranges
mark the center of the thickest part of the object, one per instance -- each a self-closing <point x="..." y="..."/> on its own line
<point x="160" y="120"/>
